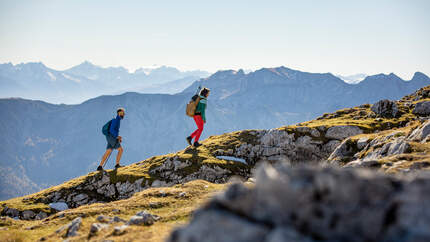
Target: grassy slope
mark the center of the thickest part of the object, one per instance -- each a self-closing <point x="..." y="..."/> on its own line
<point x="204" y="155"/>
<point x="172" y="209"/>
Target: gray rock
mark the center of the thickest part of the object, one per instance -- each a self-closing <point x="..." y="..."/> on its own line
<point x="156" y="183"/>
<point x="362" y="164"/>
<point x="342" y="132"/>
<point x="155" y="205"/>
<point x="136" y="220"/>
<point x="59" y="206"/>
<point x="96" y="227"/>
<point x="144" y="218"/>
<point x="117" y="219"/>
<point x="385" y="108"/>
<point x="331" y="146"/>
<point x="343" y="152"/>
<point x="105" y="180"/>
<point x="398" y="146"/>
<point x="362" y="142"/>
<point x="303" y="129"/>
<point x="41" y="215"/>
<point x="182" y="194"/>
<point x="80" y="197"/>
<point x="285" y="234"/>
<point x="215" y="226"/>
<point x="313" y="132"/>
<point x="123" y="188"/>
<point x="73" y="227"/>
<point x="422" y="108"/>
<point x="104" y="219"/>
<point x="11" y="212"/>
<point x="28" y="214"/>
<point x="420" y="133"/>
<point x="110" y="191"/>
<point x="120" y="230"/>
<point x="297" y="204"/>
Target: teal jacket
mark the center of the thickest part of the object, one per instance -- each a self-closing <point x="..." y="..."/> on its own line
<point x="201" y="107"/>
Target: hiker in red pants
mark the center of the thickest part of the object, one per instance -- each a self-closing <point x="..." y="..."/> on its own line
<point x="199" y="117"/>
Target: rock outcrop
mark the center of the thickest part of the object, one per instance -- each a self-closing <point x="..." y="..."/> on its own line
<point x="422" y="108"/>
<point x="401" y="150"/>
<point x="385" y="108"/>
<point x="315" y="204"/>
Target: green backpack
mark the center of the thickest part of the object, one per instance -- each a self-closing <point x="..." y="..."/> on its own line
<point x="106" y="128"/>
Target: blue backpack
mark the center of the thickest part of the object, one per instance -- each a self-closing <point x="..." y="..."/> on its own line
<point x="106" y="128"/>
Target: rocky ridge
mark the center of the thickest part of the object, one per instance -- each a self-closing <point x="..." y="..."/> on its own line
<point x="402" y="149"/>
<point x="367" y="135"/>
<point x="389" y="136"/>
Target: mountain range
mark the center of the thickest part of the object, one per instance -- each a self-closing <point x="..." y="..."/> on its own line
<point x="86" y="80"/>
<point x="45" y="144"/>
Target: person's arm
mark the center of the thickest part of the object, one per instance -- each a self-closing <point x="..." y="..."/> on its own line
<point x="113" y="128"/>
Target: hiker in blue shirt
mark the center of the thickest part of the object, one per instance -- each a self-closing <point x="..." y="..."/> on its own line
<point x="113" y="139"/>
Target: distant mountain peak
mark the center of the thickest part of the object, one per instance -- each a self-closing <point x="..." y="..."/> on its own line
<point x="227" y="73"/>
<point x="419" y="76"/>
<point x="33" y="64"/>
<point x="86" y="63"/>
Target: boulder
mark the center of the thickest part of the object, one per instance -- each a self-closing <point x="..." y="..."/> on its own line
<point x="420" y="133"/>
<point x="104" y="219"/>
<point x="331" y="146"/>
<point x="59" y="206"/>
<point x="422" y="108"/>
<point x="80" y="198"/>
<point x="117" y="219"/>
<point x="120" y="230"/>
<point x="73" y="227"/>
<point x="398" y="146"/>
<point x="41" y="215"/>
<point x="11" y="212"/>
<point x="344" y="151"/>
<point x="142" y="218"/>
<point x="28" y="214"/>
<point x="215" y="226"/>
<point x="362" y="142"/>
<point x="342" y="132"/>
<point x="96" y="227"/>
<point x="314" y="203"/>
<point x="385" y="108"/>
<point x="286" y="234"/>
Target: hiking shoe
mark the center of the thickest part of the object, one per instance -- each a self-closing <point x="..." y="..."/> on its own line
<point x="100" y="168"/>
<point x="117" y="166"/>
<point x="197" y="144"/>
<point x="189" y="138"/>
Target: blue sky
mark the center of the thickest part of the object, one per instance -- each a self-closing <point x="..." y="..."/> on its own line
<point x="342" y="37"/>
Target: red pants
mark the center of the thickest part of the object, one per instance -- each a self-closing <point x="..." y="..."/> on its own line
<point x="196" y="134"/>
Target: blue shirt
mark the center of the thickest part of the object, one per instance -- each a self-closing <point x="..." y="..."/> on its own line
<point x="114" y="126"/>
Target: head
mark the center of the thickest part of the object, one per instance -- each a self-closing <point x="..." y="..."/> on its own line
<point x="120" y="112"/>
<point x="205" y="92"/>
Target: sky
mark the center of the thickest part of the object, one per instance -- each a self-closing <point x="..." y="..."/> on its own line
<point x="337" y="36"/>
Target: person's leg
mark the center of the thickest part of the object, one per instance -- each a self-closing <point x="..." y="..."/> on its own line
<point x="197" y="119"/>
<point x="118" y="156"/>
<point x="200" y="124"/>
<point x="105" y="156"/>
